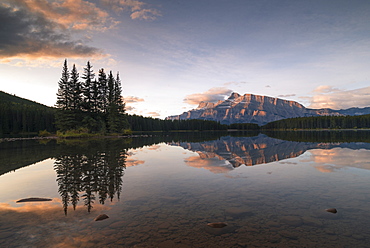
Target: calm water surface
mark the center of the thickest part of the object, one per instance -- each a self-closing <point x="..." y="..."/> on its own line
<point x="271" y="191"/>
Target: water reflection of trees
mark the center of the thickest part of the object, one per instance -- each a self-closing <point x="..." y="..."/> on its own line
<point x="90" y="172"/>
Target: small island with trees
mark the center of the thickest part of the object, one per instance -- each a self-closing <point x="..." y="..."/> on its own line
<point x="90" y="106"/>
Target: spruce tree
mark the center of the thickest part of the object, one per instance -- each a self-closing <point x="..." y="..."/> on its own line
<point x="111" y="93"/>
<point x="64" y="118"/>
<point x="76" y="89"/>
<point x="116" y="112"/>
<point x="63" y="95"/>
<point x="88" y="76"/>
<point x="103" y="87"/>
<point x="95" y="96"/>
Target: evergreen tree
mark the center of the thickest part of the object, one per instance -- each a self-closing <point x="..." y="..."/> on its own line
<point x="63" y="95"/>
<point x="103" y="86"/>
<point x="95" y="99"/>
<point x="111" y="84"/>
<point x="88" y="76"/>
<point x="64" y="118"/>
<point x="75" y="85"/>
<point x="116" y="118"/>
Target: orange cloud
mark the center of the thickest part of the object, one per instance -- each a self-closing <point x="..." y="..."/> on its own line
<point x="154" y="114"/>
<point x="329" y="97"/>
<point x="133" y="99"/>
<point x="135" y="7"/>
<point x="212" y="95"/>
<point x="74" y="14"/>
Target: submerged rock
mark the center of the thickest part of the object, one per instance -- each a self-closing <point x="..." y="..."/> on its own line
<point x="33" y="199"/>
<point x="331" y="210"/>
<point x="217" y="225"/>
<point x="101" y="217"/>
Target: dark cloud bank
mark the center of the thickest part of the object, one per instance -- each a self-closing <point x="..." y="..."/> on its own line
<point x="29" y="34"/>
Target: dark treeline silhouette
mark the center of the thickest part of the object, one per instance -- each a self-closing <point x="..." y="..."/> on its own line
<point x="244" y="126"/>
<point x="18" y="115"/>
<point x="323" y="136"/>
<point x="321" y="122"/>
<point x="140" y="123"/>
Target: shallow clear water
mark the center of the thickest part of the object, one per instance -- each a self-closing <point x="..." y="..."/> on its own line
<point x="162" y="192"/>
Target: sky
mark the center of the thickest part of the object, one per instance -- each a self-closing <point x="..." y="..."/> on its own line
<point x="173" y="54"/>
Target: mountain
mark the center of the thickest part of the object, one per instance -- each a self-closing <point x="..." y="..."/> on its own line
<point x="257" y="109"/>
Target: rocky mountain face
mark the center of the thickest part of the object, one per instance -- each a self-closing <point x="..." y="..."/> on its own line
<point x="257" y="109"/>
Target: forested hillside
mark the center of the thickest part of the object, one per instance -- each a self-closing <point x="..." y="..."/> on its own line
<point x="18" y="115"/>
<point x="322" y="122"/>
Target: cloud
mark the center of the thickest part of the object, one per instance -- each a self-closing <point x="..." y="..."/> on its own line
<point x="135" y="7"/>
<point x="208" y="164"/>
<point x="146" y="14"/>
<point x="325" y="89"/>
<point x="212" y="95"/>
<point x="42" y="29"/>
<point x="154" y="114"/>
<point x="72" y="14"/>
<point x="329" y="97"/>
<point x="234" y="83"/>
<point x="130" y="108"/>
<point x="288" y="95"/>
<point x="133" y="99"/>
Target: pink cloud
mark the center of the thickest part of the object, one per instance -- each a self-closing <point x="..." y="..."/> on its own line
<point x="212" y="95"/>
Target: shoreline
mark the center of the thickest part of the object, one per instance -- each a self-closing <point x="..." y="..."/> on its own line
<point x="63" y="138"/>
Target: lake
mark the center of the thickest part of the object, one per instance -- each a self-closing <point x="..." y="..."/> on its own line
<point x="267" y="189"/>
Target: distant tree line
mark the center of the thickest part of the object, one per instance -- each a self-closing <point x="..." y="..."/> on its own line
<point x="321" y="122"/>
<point x="244" y="126"/>
<point x="94" y="104"/>
<point x="140" y="123"/>
<point x="19" y="115"/>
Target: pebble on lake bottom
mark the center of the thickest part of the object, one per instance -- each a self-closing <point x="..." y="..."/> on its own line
<point x="331" y="210"/>
<point x="101" y="217"/>
<point x="217" y="225"/>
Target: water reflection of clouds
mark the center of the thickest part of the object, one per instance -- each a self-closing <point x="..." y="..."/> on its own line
<point x="340" y="158"/>
<point x="41" y="207"/>
<point x="133" y="162"/>
<point x="45" y="223"/>
<point x="212" y="164"/>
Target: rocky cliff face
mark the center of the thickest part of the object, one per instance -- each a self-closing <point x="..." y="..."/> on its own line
<point x="257" y="109"/>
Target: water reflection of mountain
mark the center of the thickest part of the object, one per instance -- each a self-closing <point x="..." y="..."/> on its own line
<point x="258" y="149"/>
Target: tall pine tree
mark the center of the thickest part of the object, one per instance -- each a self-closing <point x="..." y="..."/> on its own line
<point x="103" y="87"/>
<point x="117" y="121"/>
<point x="87" y="90"/>
<point x="75" y="85"/>
<point x="63" y="95"/>
<point x="64" y="118"/>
